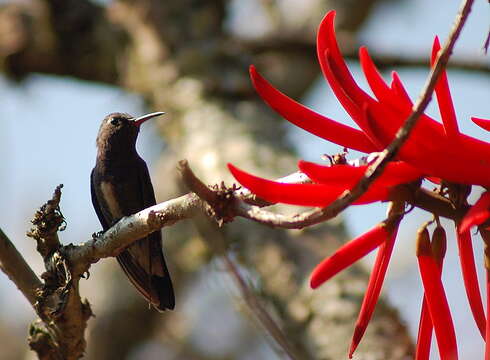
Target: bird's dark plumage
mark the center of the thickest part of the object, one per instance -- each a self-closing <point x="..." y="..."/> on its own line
<point x="121" y="186"/>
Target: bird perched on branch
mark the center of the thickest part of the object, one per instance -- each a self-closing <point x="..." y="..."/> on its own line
<point x="121" y="186"/>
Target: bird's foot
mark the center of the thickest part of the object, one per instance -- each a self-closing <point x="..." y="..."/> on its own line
<point x="97" y="235"/>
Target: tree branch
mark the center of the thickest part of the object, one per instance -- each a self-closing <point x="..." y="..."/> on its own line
<point x="42" y="34"/>
<point x="131" y="228"/>
<point x="60" y="332"/>
<point x="382" y="60"/>
<point x="16" y="268"/>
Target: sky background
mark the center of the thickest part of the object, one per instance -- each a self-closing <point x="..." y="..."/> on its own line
<point x="48" y="127"/>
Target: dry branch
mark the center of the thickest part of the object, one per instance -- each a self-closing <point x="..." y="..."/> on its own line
<point x="16" y="268"/>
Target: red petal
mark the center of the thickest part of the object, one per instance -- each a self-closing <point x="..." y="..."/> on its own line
<point x="438" y="307"/>
<point x="352" y="108"/>
<point x="326" y="41"/>
<point x="397" y="86"/>
<point x="309" y="120"/>
<point x="373" y="290"/>
<point x="385" y="121"/>
<point x="477" y="214"/>
<point x="333" y="66"/>
<point x="377" y="84"/>
<point x="319" y="195"/>
<point x="483" y="123"/>
<point x="470" y="278"/>
<point x="443" y="94"/>
<point x="395" y="173"/>
<point x="424" y="337"/>
<point x="349" y="254"/>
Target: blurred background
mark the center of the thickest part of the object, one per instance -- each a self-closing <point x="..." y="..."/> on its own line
<point x="66" y="64"/>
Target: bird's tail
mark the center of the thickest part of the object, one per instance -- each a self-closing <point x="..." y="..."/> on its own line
<point x="151" y="278"/>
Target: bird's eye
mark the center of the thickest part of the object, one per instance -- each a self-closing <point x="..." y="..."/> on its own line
<point x="115" y="121"/>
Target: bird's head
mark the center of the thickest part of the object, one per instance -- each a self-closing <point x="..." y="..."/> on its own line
<point x="118" y="131"/>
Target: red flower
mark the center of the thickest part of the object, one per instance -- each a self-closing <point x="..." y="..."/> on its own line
<point x="439" y="152"/>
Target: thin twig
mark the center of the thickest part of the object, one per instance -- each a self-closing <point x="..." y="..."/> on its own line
<point x="486" y="43"/>
<point x="195" y="184"/>
<point x="383" y="60"/>
<point x="375" y="170"/>
<point x="16" y="268"/>
<point x="256" y="307"/>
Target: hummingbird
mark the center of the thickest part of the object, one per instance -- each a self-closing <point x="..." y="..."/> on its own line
<point x="121" y="186"/>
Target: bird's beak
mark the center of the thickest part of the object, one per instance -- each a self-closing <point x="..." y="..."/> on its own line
<point x="140" y="120"/>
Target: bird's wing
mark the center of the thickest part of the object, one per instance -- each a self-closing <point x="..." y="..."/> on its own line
<point x="95" y="202"/>
<point x="143" y="261"/>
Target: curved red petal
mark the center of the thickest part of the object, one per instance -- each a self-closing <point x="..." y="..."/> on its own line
<point x="307" y="119"/>
<point x="376" y="82"/>
<point x="349" y="254"/>
<point x="399" y="89"/>
<point x="352" y="108"/>
<point x="438" y="307"/>
<point x="470" y="278"/>
<point x="335" y="70"/>
<point x="444" y="99"/>
<point x="424" y="337"/>
<point x="483" y="123"/>
<point x="373" y="290"/>
<point x="477" y="214"/>
<point x="326" y="41"/>
<point x="318" y="195"/>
